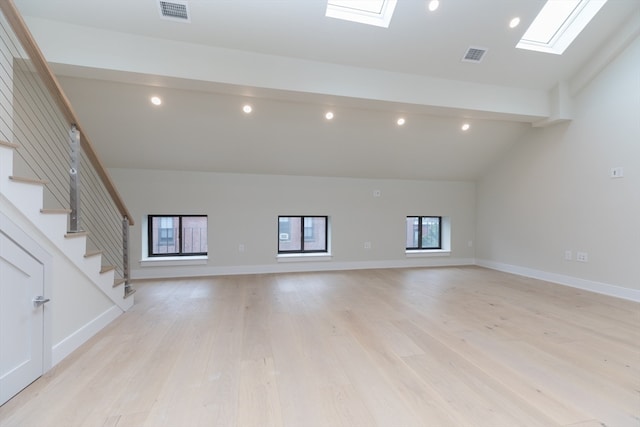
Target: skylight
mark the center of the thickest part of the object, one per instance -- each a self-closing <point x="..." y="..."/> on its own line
<point x="558" y="24"/>
<point x="370" y="12"/>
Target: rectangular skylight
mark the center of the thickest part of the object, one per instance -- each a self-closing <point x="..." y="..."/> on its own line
<point x="558" y="24"/>
<point x="371" y="12"/>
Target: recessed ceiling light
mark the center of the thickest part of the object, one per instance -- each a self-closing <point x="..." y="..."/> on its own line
<point x="433" y="5"/>
<point x="247" y="109"/>
<point x="400" y="121"/>
<point x="155" y="100"/>
<point x="465" y="127"/>
<point x="514" y="22"/>
<point x="329" y="115"/>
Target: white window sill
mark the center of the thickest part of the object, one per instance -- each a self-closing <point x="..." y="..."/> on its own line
<point x="167" y="261"/>
<point x="427" y="253"/>
<point x="304" y="257"/>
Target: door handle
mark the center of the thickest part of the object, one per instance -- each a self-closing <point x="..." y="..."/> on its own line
<point x="40" y="300"/>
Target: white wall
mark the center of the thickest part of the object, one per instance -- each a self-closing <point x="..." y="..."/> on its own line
<point x="243" y="209"/>
<point x="552" y="192"/>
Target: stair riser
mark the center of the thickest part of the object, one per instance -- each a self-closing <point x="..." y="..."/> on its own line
<point x="26" y="197"/>
<point x="6" y="161"/>
<point x="51" y="224"/>
<point x="92" y="263"/>
<point x="74" y="247"/>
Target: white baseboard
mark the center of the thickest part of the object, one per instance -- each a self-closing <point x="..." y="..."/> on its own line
<point x="82" y="335"/>
<point x="297" y="267"/>
<point x="292" y="267"/>
<point x="561" y="279"/>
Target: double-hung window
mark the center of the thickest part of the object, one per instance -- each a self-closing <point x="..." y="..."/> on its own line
<point x="424" y="232"/>
<point x="177" y="235"/>
<point x="302" y="234"/>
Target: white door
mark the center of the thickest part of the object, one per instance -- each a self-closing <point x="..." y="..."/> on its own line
<point x="21" y="321"/>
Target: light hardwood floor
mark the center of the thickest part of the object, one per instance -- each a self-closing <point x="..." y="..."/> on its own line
<point x="397" y="347"/>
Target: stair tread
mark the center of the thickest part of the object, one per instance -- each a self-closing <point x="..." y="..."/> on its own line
<point x="76" y="234"/>
<point x="26" y="180"/>
<point x="92" y="253"/>
<point x="9" y="144"/>
<point x="55" y="211"/>
<point x="107" y="268"/>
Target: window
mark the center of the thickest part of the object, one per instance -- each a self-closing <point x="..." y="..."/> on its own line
<point x="177" y="235"/>
<point x="423" y="232"/>
<point x="302" y="234"/>
<point x="558" y="23"/>
<point x="370" y="12"/>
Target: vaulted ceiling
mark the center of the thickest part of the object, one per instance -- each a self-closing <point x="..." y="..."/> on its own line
<point x="293" y="64"/>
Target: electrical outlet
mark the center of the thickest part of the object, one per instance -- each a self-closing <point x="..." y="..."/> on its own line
<point x="568" y="256"/>
<point x="617" y="172"/>
<point x="582" y="257"/>
<point x="367" y="245"/>
<point x="241" y="247"/>
<point x="377" y="193"/>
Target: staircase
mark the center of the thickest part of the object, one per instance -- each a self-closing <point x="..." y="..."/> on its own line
<point x="26" y="195"/>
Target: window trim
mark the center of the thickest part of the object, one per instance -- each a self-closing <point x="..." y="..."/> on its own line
<point x="420" y="248"/>
<point x="178" y="254"/>
<point x="302" y="236"/>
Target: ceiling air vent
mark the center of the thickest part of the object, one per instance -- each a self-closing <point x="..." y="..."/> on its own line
<point x="174" y="10"/>
<point x="474" y="54"/>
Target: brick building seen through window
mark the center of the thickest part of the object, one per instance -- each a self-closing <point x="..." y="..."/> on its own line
<point x="177" y="235"/>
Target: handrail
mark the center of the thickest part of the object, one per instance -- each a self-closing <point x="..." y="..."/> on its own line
<point x="41" y="65"/>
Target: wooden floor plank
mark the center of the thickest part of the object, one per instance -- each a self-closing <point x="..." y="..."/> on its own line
<point x="452" y="346"/>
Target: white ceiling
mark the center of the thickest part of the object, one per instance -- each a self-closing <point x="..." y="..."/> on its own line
<point x="292" y="64"/>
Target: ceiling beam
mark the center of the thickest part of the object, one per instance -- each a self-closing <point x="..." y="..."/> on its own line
<point x="80" y="46"/>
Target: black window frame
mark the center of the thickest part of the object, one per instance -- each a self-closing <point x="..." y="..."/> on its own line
<point x="150" y="219"/>
<point x="304" y="236"/>
<point x="420" y="247"/>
